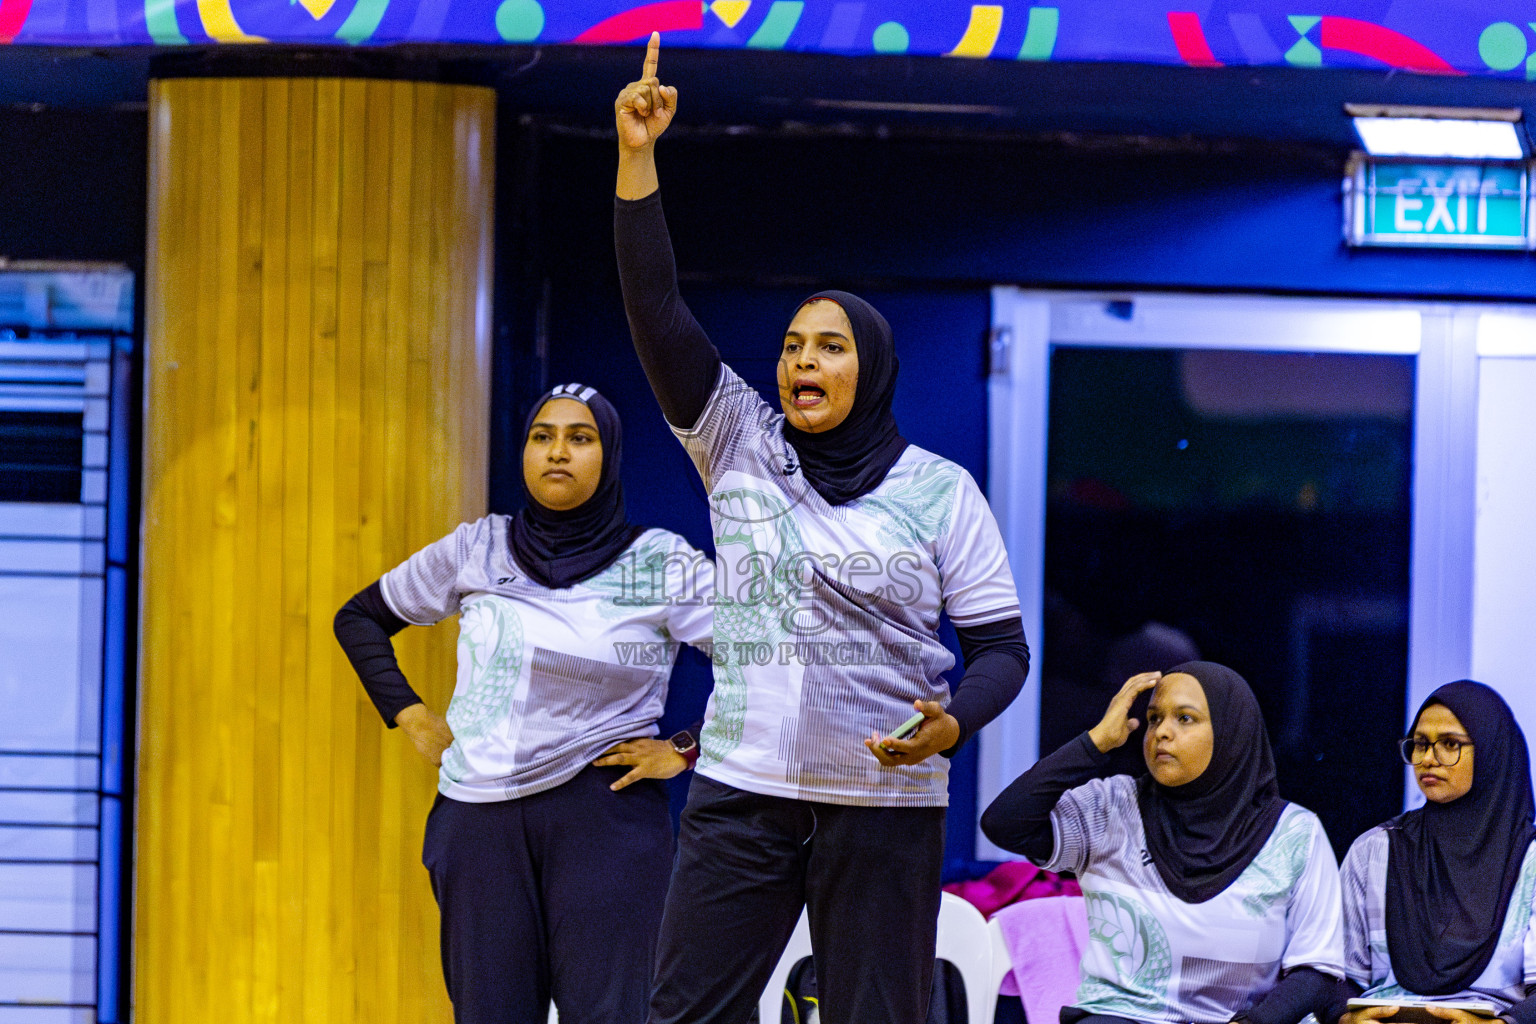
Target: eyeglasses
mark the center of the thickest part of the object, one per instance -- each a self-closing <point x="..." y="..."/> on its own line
<point x="1447" y="750"/>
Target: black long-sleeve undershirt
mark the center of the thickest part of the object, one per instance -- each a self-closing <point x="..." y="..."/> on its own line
<point x="679" y="360"/>
<point x="1019" y="820"/>
<point x="1523" y="1012"/>
<point x="996" y="664"/>
<point x="1338" y="1000"/>
<point x="363" y="627"/>
<point x="1303" y="990"/>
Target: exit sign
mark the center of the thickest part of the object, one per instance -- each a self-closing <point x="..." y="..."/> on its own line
<point x="1458" y="205"/>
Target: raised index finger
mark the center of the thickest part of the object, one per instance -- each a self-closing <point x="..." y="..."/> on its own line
<point x="652" y="55"/>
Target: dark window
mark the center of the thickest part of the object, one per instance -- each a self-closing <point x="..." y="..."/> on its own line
<point x="40" y="455"/>
<point x="1251" y="508"/>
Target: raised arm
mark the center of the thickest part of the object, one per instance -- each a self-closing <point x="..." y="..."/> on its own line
<point x="679" y="361"/>
<point x="1019" y="819"/>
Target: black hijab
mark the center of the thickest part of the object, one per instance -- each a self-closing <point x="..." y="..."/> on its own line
<point x="1451" y="868"/>
<point x="1201" y="835"/>
<point x="852" y="458"/>
<point x="559" y="549"/>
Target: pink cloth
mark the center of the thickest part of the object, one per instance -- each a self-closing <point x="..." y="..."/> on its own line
<point x="1009" y="883"/>
<point x="1045" y="939"/>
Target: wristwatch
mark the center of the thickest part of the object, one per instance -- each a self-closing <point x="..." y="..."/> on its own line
<point x="684" y="743"/>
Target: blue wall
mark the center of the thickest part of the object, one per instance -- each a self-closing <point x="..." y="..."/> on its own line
<point x="1241" y="217"/>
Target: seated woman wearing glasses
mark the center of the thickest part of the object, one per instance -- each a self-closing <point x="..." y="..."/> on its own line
<point x="1438" y="901"/>
<point x="1210" y="898"/>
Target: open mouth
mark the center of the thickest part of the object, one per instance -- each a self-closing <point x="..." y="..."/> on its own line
<point x="807" y="395"/>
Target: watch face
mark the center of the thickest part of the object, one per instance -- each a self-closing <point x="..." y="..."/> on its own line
<point x="682" y="742"/>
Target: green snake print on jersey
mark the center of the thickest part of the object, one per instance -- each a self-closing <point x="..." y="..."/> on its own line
<point x="916" y="507"/>
<point x="761" y="522"/>
<point x="491" y="644"/>
<point x="630" y="580"/>
<point x="1272" y="875"/>
<point x="1138" y="947"/>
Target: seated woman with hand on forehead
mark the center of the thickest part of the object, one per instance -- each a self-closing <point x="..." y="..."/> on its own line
<point x="1210" y="898"/>
<point x="1438" y="901"/>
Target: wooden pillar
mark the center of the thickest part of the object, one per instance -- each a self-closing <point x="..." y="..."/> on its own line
<point x="318" y="350"/>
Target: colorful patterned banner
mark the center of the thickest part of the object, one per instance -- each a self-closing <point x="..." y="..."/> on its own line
<point x="1483" y="37"/>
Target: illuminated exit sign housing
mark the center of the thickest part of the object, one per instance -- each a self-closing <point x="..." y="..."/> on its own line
<point x="1455" y="205"/>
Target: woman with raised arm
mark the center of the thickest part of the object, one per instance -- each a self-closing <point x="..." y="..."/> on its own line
<point x="1210" y="898"/>
<point x="838" y="545"/>
<point x="1438" y="902"/>
<point x="550" y="843"/>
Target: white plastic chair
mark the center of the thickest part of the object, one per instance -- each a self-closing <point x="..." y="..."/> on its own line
<point x="964" y="940"/>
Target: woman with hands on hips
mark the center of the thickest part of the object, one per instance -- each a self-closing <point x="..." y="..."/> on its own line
<point x="838" y="547"/>
<point x="1210" y="898"/>
<point x="1438" y="902"/>
<point x="550" y="844"/>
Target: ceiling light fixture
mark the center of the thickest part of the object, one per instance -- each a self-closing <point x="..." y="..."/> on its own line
<point x="1456" y="133"/>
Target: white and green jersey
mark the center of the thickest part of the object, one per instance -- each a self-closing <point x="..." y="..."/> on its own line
<point x="549" y="679"/>
<point x="1153" y="957"/>
<point x="826" y="619"/>
<point x="1369" y="963"/>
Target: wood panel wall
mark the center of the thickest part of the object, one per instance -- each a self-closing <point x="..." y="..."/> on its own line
<point x="317" y="381"/>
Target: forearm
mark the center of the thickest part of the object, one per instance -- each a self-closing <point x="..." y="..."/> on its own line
<point x="677" y="356"/>
<point x="1019" y="819"/>
<point x="1304" y="990"/>
<point x="996" y="664"/>
<point x="363" y="627"/>
<point x="1523" y="1012"/>
<point x="637" y="173"/>
<point x="1336" y="1004"/>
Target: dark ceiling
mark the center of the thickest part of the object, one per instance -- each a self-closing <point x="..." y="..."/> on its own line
<point x="739" y="90"/>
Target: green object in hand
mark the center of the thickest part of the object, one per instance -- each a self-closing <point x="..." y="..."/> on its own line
<point x="908" y="727"/>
